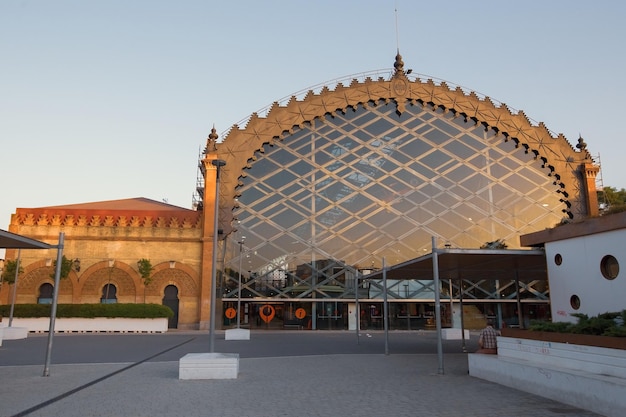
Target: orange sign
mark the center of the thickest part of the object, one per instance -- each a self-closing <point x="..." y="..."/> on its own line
<point x="267" y="313"/>
<point x="230" y="313"/>
<point x="300" y="313"/>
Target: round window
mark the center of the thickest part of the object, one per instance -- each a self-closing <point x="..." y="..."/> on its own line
<point x="609" y="267"/>
<point x="558" y="259"/>
<point x="574" y="301"/>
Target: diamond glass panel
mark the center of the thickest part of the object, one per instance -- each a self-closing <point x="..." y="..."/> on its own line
<point x="352" y="187"/>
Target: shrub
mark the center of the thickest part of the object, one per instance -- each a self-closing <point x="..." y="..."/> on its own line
<point x="90" y="310"/>
<point x="548" y="326"/>
<point x="605" y="324"/>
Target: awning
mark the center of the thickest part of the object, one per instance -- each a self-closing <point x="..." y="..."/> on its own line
<point x="472" y="264"/>
<point x="10" y="240"/>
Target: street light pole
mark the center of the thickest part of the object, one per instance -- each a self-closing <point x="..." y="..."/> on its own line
<point x="218" y="164"/>
<point x="239" y="286"/>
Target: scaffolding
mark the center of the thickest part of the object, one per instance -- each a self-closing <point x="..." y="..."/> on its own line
<point x="198" y="196"/>
<point x="602" y="197"/>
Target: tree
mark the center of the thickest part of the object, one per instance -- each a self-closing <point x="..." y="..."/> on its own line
<point x="612" y="200"/>
<point x="66" y="267"/>
<point x="8" y="273"/>
<point x="145" y="270"/>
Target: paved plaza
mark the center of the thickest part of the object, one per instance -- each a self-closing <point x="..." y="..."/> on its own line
<point x="290" y="373"/>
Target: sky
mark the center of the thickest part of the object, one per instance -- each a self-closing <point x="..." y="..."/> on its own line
<point x="113" y="99"/>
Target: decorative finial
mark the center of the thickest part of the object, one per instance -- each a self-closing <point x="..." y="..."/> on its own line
<point x="211" y="143"/>
<point x="399" y="64"/>
<point x="581" y="143"/>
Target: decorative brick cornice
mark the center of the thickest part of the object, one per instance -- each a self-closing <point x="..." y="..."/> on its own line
<point x="184" y="219"/>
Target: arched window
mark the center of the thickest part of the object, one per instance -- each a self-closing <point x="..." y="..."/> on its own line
<point x="45" y="293"/>
<point x="109" y="294"/>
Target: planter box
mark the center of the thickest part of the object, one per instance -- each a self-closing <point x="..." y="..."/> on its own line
<point x="575" y="339"/>
<point x="94" y="325"/>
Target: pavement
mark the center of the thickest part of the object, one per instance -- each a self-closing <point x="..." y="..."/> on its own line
<point x="281" y="373"/>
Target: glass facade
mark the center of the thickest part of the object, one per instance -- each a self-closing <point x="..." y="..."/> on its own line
<point x="334" y="198"/>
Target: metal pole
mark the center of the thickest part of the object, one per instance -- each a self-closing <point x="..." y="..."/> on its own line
<point x="462" y="316"/>
<point x="358" y="309"/>
<point x="55" y="298"/>
<point x="451" y="303"/>
<point x="437" y="305"/>
<point x="14" y="289"/>
<point x="218" y="163"/>
<point x="385" y="308"/>
<point x="520" y="314"/>
<point x="239" y="286"/>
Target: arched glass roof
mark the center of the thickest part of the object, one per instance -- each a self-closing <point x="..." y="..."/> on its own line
<point x="369" y="183"/>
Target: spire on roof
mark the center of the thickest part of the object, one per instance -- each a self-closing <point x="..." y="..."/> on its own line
<point x="211" y="142"/>
<point x="581" y="143"/>
<point x="399" y="64"/>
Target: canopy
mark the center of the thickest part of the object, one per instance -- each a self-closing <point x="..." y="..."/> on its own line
<point x="10" y="240"/>
<point x="472" y="264"/>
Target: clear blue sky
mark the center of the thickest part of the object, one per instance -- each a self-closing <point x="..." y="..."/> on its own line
<point x="103" y="100"/>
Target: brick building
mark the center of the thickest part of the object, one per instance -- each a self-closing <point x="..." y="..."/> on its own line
<point x="317" y="191"/>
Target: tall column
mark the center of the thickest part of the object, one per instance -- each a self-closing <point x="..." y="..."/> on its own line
<point x="590" y="172"/>
<point x="208" y="232"/>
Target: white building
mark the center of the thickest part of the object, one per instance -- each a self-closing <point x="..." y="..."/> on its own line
<point x="583" y="261"/>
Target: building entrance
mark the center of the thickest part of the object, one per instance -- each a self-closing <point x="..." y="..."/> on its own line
<point x="170" y="299"/>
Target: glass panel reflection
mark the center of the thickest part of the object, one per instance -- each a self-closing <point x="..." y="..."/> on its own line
<point x="339" y="194"/>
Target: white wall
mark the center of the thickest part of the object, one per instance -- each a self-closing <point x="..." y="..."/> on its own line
<point x="579" y="274"/>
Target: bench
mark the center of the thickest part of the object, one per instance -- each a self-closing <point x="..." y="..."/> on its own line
<point x="587" y="377"/>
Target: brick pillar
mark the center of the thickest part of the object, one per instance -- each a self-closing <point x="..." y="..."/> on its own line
<point x="208" y="210"/>
<point x="590" y="172"/>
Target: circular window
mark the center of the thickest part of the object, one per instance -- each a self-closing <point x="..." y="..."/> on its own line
<point x="609" y="267"/>
<point x="558" y="259"/>
<point x="574" y="301"/>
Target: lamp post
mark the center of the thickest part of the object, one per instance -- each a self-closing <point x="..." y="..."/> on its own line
<point x="218" y="164"/>
<point x="243" y="238"/>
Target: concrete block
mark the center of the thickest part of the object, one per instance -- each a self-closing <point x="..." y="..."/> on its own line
<point x="14" y="333"/>
<point x="208" y="366"/>
<point x="237" y="334"/>
<point x="454" y="334"/>
<point x="601" y="394"/>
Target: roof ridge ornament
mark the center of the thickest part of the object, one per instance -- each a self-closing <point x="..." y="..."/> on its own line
<point x="400" y="83"/>
<point x="399" y="64"/>
<point x="211" y="142"/>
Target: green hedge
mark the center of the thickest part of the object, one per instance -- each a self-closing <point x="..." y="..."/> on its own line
<point x="135" y="311"/>
<point x="606" y="324"/>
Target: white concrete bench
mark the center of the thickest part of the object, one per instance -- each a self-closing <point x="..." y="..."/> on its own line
<point x="208" y="366"/>
<point x="587" y="377"/>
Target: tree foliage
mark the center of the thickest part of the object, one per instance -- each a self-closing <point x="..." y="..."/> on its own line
<point x="612" y="200"/>
<point x="145" y="270"/>
<point x="66" y="267"/>
<point x="8" y="273"/>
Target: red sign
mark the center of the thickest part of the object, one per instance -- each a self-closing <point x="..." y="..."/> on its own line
<point x="230" y="313"/>
<point x="267" y="313"/>
<point x="300" y="313"/>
